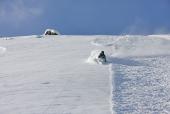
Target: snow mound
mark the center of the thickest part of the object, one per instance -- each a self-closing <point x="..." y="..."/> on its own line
<point x="2" y="50"/>
<point x="124" y="46"/>
<point x="92" y="59"/>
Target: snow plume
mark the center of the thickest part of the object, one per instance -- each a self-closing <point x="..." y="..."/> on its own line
<point x="93" y="57"/>
<point x="18" y="10"/>
<point x="124" y="46"/>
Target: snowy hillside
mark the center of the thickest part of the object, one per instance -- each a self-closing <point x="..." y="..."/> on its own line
<point x="140" y="73"/>
<point x="59" y="75"/>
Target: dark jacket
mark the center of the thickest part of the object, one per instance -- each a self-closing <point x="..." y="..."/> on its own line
<point x="102" y="56"/>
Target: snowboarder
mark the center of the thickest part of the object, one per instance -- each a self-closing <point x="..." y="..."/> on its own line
<point x="102" y="56"/>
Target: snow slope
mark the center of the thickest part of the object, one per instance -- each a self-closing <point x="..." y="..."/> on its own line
<point x="51" y="76"/>
<point x="60" y="75"/>
<point x="140" y="73"/>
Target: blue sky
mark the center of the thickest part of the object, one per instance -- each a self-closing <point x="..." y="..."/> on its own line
<point x="84" y="17"/>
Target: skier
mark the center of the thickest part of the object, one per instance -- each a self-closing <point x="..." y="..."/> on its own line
<point x="102" y="56"/>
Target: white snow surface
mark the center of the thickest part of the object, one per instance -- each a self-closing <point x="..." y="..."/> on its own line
<point x="60" y="75"/>
<point x="2" y="50"/>
<point x="50" y="76"/>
